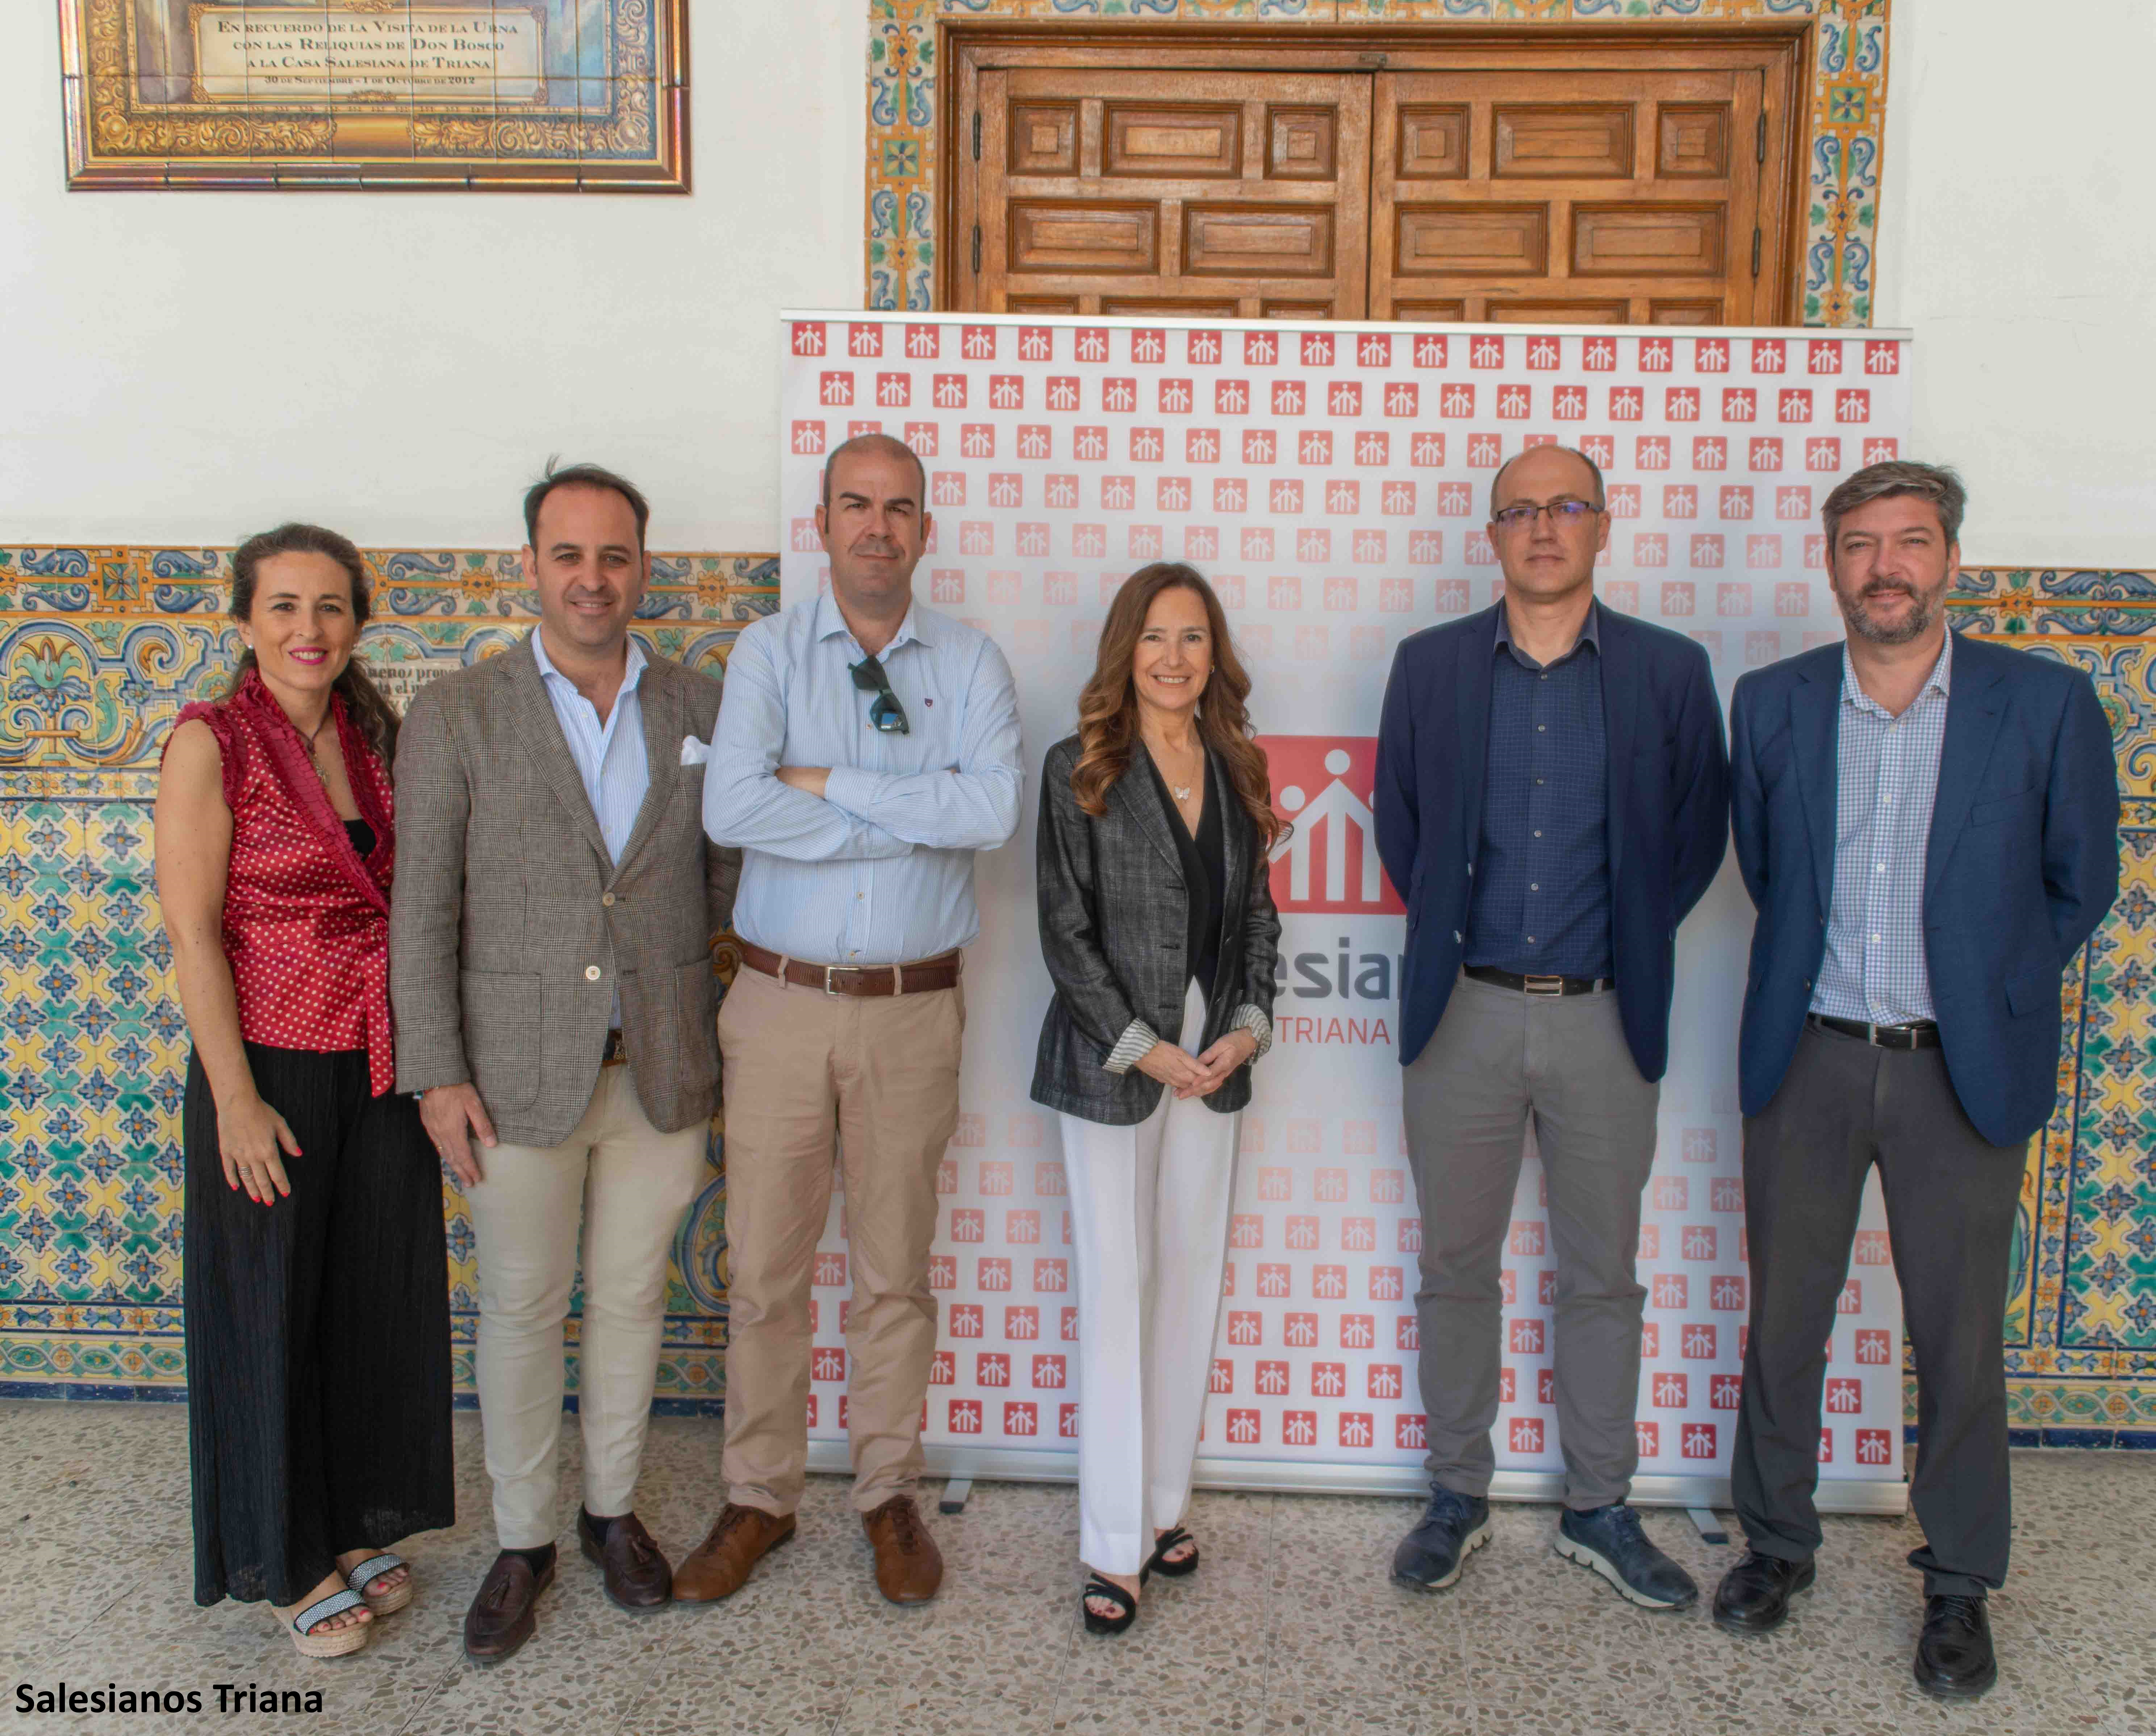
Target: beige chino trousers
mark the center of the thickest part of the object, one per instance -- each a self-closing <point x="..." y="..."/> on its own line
<point x="878" y="1075"/>
<point x="626" y="1185"/>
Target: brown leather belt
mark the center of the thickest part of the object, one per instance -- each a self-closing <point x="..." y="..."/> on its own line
<point x="940" y="972"/>
<point x="616" y="1052"/>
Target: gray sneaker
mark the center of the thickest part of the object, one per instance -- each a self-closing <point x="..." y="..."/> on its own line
<point x="1608" y="1540"/>
<point x="1453" y="1527"/>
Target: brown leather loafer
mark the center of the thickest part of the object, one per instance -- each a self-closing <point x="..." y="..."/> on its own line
<point x="720" y="1566"/>
<point x="636" y="1575"/>
<point x="500" y="1618"/>
<point x="909" y="1567"/>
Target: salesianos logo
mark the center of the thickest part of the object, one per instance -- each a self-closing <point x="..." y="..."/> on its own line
<point x="1329" y="863"/>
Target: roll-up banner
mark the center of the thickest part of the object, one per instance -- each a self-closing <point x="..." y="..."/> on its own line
<point x="1333" y="482"/>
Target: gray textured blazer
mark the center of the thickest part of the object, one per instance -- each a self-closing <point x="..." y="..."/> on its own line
<point x="1114" y="920"/>
<point x="510" y="926"/>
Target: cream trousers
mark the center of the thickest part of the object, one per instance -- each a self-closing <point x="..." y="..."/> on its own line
<point x="626" y="1185"/>
<point x="1149" y="1219"/>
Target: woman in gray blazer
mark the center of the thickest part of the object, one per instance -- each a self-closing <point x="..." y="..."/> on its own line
<point x="1157" y="921"/>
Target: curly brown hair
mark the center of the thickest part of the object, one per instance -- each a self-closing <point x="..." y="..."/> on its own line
<point x="1108" y="705"/>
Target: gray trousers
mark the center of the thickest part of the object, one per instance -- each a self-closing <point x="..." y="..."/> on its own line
<point x="1951" y="1201"/>
<point x="1499" y="1057"/>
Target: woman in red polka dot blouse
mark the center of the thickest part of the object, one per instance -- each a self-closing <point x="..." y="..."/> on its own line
<point x="317" y="1284"/>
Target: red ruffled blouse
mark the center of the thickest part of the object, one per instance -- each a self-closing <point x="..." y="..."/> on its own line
<point x="306" y="919"/>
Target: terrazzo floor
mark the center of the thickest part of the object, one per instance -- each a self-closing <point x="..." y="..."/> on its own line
<point x="1291" y="1626"/>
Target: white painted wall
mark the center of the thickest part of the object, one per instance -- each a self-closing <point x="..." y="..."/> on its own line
<point x="2018" y="240"/>
<point x="184" y="366"/>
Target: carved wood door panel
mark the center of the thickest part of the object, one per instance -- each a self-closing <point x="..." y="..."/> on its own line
<point x="1200" y="194"/>
<point x="1639" y="178"/>
<point x="1619" y="196"/>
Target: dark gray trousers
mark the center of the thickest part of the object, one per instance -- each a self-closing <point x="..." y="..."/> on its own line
<point x="1951" y="1199"/>
<point x="1499" y="1057"/>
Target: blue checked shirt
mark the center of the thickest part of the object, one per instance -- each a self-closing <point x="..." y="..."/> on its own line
<point x="1541" y="905"/>
<point x="879" y="869"/>
<point x="609" y="755"/>
<point x="1888" y="775"/>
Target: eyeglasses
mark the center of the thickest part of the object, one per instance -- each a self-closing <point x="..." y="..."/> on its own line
<point x="887" y="715"/>
<point x="1561" y="512"/>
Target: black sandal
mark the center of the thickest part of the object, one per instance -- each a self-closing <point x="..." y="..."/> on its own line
<point x="1096" y="1586"/>
<point x="1173" y="1538"/>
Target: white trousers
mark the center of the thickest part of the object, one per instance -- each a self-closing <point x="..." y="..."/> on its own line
<point x="1149" y="1219"/>
<point x="624" y="1184"/>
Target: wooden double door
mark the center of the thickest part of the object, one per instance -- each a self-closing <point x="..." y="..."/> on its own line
<point x="1608" y="186"/>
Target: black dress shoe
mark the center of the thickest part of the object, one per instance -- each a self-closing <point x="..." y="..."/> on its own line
<point x="1753" y="1597"/>
<point x="1954" y="1659"/>
<point x="635" y="1574"/>
<point x="1432" y="1555"/>
<point x="501" y="1620"/>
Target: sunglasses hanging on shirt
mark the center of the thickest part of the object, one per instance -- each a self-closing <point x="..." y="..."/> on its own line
<point x="887" y="715"/>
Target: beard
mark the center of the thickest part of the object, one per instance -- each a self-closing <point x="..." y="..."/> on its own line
<point x="1862" y="621"/>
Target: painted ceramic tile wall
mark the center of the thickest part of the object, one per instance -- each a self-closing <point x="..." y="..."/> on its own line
<point x="100" y="648"/>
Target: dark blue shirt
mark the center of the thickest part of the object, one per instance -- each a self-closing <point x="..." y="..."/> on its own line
<point x="1541" y="903"/>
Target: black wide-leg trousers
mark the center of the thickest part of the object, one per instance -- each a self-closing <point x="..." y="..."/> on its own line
<point x="317" y="1334"/>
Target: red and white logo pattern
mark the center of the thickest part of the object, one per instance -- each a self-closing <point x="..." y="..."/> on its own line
<point x="1333" y="484"/>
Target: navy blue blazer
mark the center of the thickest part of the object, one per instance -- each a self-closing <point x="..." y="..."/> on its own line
<point x="2021" y="864"/>
<point x="1669" y="808"/>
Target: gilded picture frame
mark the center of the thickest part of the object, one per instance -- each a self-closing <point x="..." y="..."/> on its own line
<point x="477" y="95"/>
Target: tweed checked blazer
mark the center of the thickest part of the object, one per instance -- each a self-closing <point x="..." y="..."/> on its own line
<point x="1115" y="919"/>
<point x="510" y="926"/>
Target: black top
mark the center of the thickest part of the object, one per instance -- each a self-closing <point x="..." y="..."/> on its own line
<point x="361" y="835"/>
<point x="1204" y="874"/>
<point x="1541" y="903"/>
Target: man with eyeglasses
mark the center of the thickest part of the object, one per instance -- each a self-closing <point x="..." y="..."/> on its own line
<point x="867" y="747"/>
<point x="1552" y="797"/>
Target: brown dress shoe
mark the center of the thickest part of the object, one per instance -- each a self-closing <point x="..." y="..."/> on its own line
<point x="635" y="1574"/>
<point x="909" y="1568"/>
<point x="720" y="1566"/>
<point x="500" y="1619"/>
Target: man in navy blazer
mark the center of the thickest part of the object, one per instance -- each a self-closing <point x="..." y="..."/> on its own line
<point x="1552" y="799"/>
<point x="1929" y="827"/>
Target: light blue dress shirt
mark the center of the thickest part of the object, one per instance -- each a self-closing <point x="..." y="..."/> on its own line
<point x="1886" y="779"/>
<point x="880" y="870"/>
<point x="609" y="755"/>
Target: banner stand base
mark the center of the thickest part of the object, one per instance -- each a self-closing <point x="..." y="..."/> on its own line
<point x="966" y="1465"/>
<point x="1710" y="1529"/>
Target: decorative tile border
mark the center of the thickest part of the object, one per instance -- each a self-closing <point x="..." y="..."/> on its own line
<point x="1848" y="106"/>
<point x="99" y="646"/>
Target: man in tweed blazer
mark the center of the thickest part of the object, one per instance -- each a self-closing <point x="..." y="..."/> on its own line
<point x="551" y="967"/>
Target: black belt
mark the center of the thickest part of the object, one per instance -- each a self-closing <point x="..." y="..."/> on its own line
<point x="614" y="1054"/>
<point x="1538" y="985"/>
<point x="1922" y="1034"/>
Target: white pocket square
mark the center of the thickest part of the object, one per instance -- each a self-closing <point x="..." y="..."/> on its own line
<point x="695" y="752"/>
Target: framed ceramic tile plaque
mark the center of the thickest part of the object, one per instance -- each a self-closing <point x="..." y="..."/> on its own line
<point x="477" y="95"/>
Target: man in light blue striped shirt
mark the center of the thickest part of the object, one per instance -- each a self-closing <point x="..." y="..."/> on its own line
<point x="608" y="751"/>
<point x="1929" y="825"/>
<point x="1886" y="780"/>
<point x="866" y="747"/>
